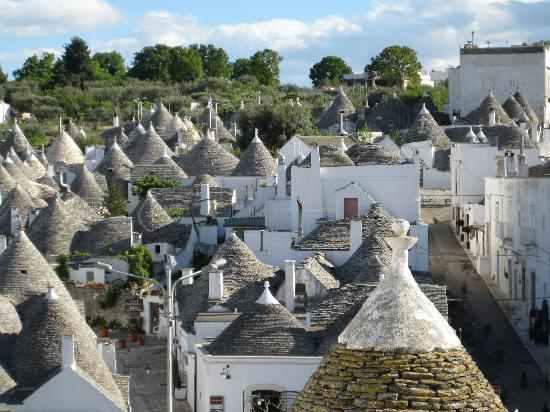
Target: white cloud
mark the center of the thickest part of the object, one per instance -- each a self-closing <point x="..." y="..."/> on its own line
<point x="278" y="34"/>
<point x="43" y="17"/>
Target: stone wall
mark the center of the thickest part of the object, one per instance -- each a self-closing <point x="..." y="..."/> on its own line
<point x="89" y="298"/>
<point x="357" y="380"/>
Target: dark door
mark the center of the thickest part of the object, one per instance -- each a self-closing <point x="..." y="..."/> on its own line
<point x="351" y="207"/>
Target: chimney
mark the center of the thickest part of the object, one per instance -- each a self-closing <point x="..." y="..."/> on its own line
<point x="342" y="130"/>
<point x="215" y="285"/>
<point x="15" y="220"/>
<point x="281" y="177"/>
<point x="500" y="165"/>
<point x="509" y="164"/>
<point x="68" y="352"/>
<point x="189" y="280"/>
<point x="523" y="170"/>
<point x="315" y="158"/>
<point x="492" y="117"/>
<point x="290" y="284"/>
<point x="3" y="243"/>
<point x="116" y="121"/>
<point x="356" y="233"/>
<point x="205" y="200"/>
<point x="342" y="145"/>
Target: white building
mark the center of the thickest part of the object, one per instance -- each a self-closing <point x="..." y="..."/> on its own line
<point x="504" y="70"/>
<point x="517" y="216"/>
<point x="4" y="112"/>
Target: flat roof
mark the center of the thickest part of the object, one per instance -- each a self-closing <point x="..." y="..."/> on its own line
<point x="503" y="50"/>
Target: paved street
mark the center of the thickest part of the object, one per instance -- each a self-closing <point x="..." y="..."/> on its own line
<point x="146" y="366"/>
<point x="485" y="330"/>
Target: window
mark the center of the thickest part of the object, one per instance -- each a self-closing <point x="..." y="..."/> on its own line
<point x="90" y="276"/>
<point x="157" y="249"/>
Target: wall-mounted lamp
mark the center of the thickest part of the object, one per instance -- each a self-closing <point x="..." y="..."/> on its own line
<point x="226" y="373"/>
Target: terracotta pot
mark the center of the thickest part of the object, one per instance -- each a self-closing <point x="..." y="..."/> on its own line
<point x="103" y="333"/>
<point x="122" y="343"/>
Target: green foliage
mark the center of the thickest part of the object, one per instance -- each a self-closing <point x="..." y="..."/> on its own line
<point x="152" y="63"/>
<point x="98" y="322"/>
<point x="143" y="185"/>
<point x="363" y="134"/>
<point x="276" y="123"/>
<point x="62" y="268"/>
<point x="75" y="65"/>
<point x="37" y="68"/>
<point x="108" y="65"/>
<point x="114" y="325"/>
<point x="265" y="66"/>
<point x="115" y="202"/>
<point x="109" y="298"/>
<point x="177" y="212"/>
<point x="3" y="76"/>
<point x="79" y="254"/>
<point x="215" y="60"/>
<point x="439" y="95"/>
<point x="328" y="71"/>
<point x="185" y="65"/>
<point x="394" y="65"/>
<point x="242" y="68"/>
<point x="140" y="261"/>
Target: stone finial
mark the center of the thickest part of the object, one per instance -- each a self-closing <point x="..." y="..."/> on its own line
<point x="266" y="297"/>
<point x="424" y="110"/>
<point x="51" y="295"/>
<point x="256" y="138"/>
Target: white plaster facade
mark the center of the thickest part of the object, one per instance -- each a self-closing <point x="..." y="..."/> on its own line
<point x="422" y="153"/>
<point x="503" y="70"/>
<point x="4" y="112"/>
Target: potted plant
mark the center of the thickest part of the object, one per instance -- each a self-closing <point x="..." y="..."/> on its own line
<point x="133" y="329"/>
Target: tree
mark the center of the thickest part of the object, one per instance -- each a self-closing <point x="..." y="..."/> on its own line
<point x="75" y="65"/>
<point x="275" y="122"/>
<point x="62" y="268"/>
<point x="110" y="63"/>
<point x="37" y="68"/>
<point x="115" y="202"/>
<point x="152" y="63"/>
<point x="265" y="66"/>
<point x="215" y="60"/>
<point x="328" y="71"/>
<point x="3" y="76"/>
<point x="394" y="65"/>
<point x="140" y="260"/>
<point x="185" y="64"/>
<point x="143" y="185"/>
<point x="241" y="68"/>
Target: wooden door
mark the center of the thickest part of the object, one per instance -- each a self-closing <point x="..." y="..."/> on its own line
<point x="351" y="207"/>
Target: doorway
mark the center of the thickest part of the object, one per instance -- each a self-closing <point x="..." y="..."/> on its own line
<point x="351" y="207"/>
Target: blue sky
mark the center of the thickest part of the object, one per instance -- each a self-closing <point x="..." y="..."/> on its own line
<point x="303" y="31"/>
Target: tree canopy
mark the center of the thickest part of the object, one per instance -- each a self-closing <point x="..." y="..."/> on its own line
<point x="185" y="64"/>
<point x="328" y="71"/>
<point x="3" y="76"/>
<point x="109" y="65"/>
<point x="265" y="66"/>
<point x="215" y="61"/>
<point x="152" y="63"/>
<point x="394" y="65"/>
<point x="75" y="65"/>
<point x="37" y="68"/>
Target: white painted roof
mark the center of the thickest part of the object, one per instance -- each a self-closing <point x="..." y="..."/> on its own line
<point x="397" y="315"/>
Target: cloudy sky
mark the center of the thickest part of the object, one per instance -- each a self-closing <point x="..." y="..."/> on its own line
<point x="303" y="31"/>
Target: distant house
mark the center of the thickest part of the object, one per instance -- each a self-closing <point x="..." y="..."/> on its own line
<point x="4" y="111"/>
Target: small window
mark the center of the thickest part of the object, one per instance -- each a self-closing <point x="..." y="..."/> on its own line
<point x="90" y="276"/>
<point x="157" y="249"/>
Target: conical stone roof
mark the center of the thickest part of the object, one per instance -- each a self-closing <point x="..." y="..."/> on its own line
<point x="426" y="128"/>
<point x="390" y="356"/>
<point x="86" y="186"/>
<point x="54" y="228"/>
<point x="20" y="199"/>
<point x="162" y="121"/>
<point x="189" y="134"/>
<point x="370" y="153"/>
<point x="330" y="156"/>
<point x="221" y="133"/>
<point x="374" y="254"/>
<point x="331" y="115"/>
<point x="150" y="215"/>
<point x="36" y="190"/>
<point x="64" y="149"/>
<point x="514" y="110"/>
<point x="241" y="267"/>
<point x="80" y="208"/>
<point x="527" y="108"/>
<point x="19" y="163"/>
<point x="6" y="181"/>
<point x="205" y="179"/>
<point x="115" y="164"/>
<point x="256" y="161"/>
<point x="25" y="273"/>
<point x="38" y="353"/>
<point x="207" y="157"/>
<point x="35" y="166"/>
<point x="137" y="132"/>
<point x="482" y="113"/>
<point x="147" y="148"/>
<point x="171" y="167"/>
<point x="267" y="328"/>
<point x="16" y="140"/>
